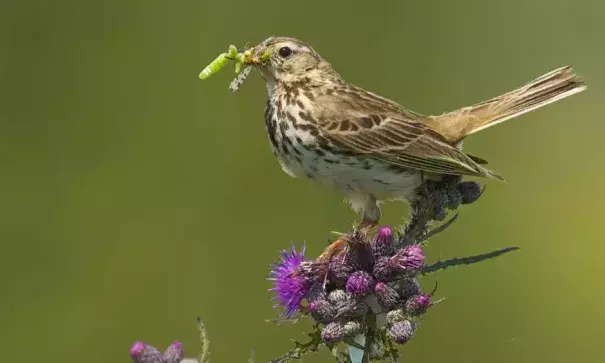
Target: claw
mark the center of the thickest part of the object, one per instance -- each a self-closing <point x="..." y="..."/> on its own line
<point x="331" y="250"/>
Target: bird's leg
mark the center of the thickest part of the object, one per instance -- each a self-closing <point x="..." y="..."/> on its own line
<point x="367" y="224"/>
<point x="331" y="250"/>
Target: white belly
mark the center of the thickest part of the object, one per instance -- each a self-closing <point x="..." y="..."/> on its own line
<point x="351" y="175"/>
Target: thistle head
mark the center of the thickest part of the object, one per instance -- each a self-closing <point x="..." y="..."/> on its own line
<point x="333" y="333"/>
<point x="387" y="296"/>
<point x="469" y="191"/>
<point x="360" y="283"/>
<point x="286" y="60"/>
<point x="322" y="310"/>
<point x="174" y="353"/>
<point x="418" y="304"/>
<point x="409" y="259"/>
<point x="402" y="331"/>
<point x="144" y="353"/>
<point x="383" y="242"/>
<point x="292" y="277"/>
<point x="409" y="287"/>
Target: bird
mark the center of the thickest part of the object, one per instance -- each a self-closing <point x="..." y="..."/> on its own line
<point x="368" y="147"/>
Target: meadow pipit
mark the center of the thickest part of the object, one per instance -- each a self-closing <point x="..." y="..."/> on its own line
<point x="366" y="146"/>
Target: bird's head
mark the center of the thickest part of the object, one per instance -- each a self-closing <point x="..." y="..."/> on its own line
<point x="287" y="60"/>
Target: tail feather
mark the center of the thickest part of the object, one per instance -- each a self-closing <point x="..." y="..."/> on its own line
<point x="549" y="88"/>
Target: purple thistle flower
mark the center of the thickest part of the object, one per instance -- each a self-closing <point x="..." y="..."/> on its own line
<point x="143" y="353"/>
<point x="408" y="259"/>
<point x="418" y="304"/>
<point x="360" y="283"/>
<point x="174" y="353"/>
<point x="401" y="331"/>
<point x="137" y="349"/>
<point x="383" y="242"/>
<point x="385" y="235"/>
<point x="291" y="280"/>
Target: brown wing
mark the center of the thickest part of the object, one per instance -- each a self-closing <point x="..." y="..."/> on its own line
<point x="397" y="138"/>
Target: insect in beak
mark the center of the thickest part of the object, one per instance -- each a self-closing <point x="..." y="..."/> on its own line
<point x="250" y="58"/>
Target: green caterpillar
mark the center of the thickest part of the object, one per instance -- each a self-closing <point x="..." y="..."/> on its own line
<point x="239" y="59"/>
<point x="222" y="60"/>
<point x="214" y="66"/>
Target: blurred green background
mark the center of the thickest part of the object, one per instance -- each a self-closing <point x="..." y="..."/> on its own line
<point x="135" y="197"/>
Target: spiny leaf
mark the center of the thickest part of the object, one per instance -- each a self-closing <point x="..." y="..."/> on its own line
<point x="442" y="265"/>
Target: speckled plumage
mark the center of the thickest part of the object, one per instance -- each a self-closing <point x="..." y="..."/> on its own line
<point x="366" y="146"/>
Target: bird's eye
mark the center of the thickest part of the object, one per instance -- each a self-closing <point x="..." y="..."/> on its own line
<point x="285" y="52"/>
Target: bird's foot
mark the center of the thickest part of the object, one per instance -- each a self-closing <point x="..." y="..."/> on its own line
<point x="339" y="246"/>
<point x="367" y="224"/>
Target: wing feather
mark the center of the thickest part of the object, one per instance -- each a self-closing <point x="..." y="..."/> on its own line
<point x="406" y="143"/>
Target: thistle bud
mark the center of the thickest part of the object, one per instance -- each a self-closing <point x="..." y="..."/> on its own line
<point x="402" y="331"/>
<point x="322" y="311"/>
<point x="358" y="309"/>
<point x="332" y="333"/>
<point x="351" y="308"/>
<point x="408" y="287"/>
<point x="469" y="191"/>
<point x="418" y="304"/>
<point x="387" y="296"/>
<point x="351" y="328"/>
<point x="339" y="269"/>
<point x="440" y="213"/>
<point x="317" y="292"/>
<point x="383" y="242"/>
<point x="337" y="296"/>
<point x="395" y="316"/>
<point x="143" y="353"/>
<point x="360" y="283"/>
<point x="453" y="197"/>
<point x="174" y="353"/>
<point x="382" y="269"/>
<point x="409" y="259"/>
<point x="137" y="349"/>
